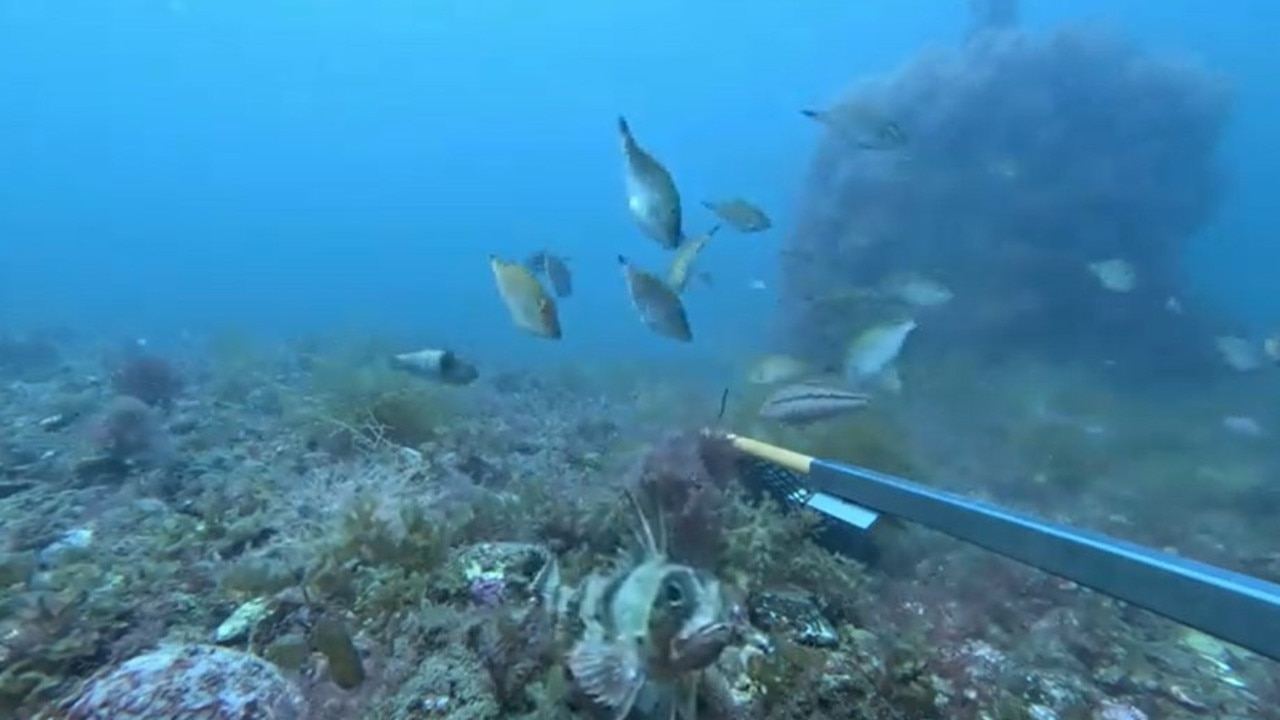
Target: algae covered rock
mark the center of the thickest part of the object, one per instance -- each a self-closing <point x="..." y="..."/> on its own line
<point x="189" y="682"/>
<point x="490" y="573"/>
<point x="794" y="615"/>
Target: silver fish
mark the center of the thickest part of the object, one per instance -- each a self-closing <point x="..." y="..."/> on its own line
<point x="873" y="354"/>
<point x="652" y="198"/>
<point x="804" y="403"/>
<point x="659" y="307"/>
<point x="438" y="365"/>
<point x="740" y="214"/>
<point x="863" y="126"/>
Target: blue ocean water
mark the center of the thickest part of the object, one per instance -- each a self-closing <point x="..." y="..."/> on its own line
<point x="177" y="169"/>
<point x="178" y="165"/>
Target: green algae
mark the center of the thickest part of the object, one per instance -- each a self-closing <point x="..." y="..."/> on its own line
<point x="354" y="404"/>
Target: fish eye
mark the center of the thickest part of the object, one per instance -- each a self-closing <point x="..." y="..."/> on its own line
<point x="673" y="593"/>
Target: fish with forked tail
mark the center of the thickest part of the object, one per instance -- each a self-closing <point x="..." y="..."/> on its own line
<point x="652" y="197"/>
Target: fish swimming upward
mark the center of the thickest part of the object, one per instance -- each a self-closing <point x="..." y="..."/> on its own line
<point x="686" y="255"/>
<point x="652" y="198"/>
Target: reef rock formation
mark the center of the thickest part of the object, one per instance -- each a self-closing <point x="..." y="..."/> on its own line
<point x="1028" y="157"/>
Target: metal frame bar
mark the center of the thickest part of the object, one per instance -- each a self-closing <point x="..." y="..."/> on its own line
<point x="1238" y="608"/>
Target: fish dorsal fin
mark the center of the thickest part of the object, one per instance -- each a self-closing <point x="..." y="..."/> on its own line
<point x="644" y="532"/>
<point x="547" y="583"/>
<point x="662" y="538"/>
<point x="608" y="672"/>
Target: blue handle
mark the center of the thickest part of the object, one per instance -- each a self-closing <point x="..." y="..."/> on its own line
<point x="1234" y="607"/>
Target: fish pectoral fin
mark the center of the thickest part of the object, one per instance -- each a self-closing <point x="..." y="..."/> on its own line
<point x="608" y="672"/>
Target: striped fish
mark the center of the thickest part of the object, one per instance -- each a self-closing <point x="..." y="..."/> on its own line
<point x="803" y="403"/>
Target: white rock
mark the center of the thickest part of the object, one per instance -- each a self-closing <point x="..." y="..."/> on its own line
<point x="243" y="620"/>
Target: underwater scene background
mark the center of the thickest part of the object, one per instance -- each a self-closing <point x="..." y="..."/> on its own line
<point x="376" y="359"/>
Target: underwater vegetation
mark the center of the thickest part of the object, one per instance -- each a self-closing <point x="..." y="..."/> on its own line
<point x="1036" y="160"/>
<point x="357" y="403"/>
<point x="152" y="379"/>
<point x="375" y="579"/>
<point x="304" y="532"/>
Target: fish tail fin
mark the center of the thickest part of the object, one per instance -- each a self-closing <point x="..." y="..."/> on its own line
<point x="623" y="126"/>
<point x="714" y="229"/>
<point x="622" y="260"/>
<point x="812" y="114"/>
<point x="709" y="205"/>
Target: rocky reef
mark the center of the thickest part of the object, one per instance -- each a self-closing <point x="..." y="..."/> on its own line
<point x="1029" y="157"/>
<point x="322" y="538"/>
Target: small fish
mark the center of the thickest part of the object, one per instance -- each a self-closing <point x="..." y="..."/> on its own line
<point x="886" y="136"/>
<point x="740" y="214"/>
<point x="1271" y="348"/>
<point x="873" y="353"/>
<point x="686" y="255"/>
<point x="774" y="369"/>
<point x="757" y="285"/>
<point x="659" y="307"/>
<point x="805" y="403"/>
<point x="437" y="365"/>
<point x="1116" y="274"/>
<point x="863" y="125"/>
<point x="1173" y="305"/>
<point x="652" y="198"/>
<point x="528" y="303"/>
<point x="1004" y="168"/>
<point x="1243" y="425"/>
<point x="1238" y="353"/>
<point x="555" y="269"/>
<point x="918" y="291"/>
